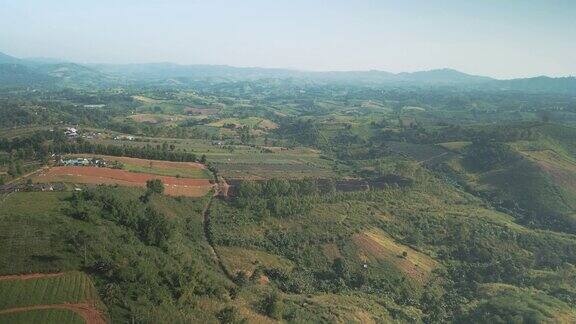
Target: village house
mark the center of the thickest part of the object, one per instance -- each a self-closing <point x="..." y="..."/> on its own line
<point x="71" y="132"/>
<point x="84" y="162"/>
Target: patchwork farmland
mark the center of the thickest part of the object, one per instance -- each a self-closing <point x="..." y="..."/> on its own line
<point x="94" y="175"/>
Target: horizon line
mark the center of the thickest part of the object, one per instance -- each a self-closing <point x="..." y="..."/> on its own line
<point x="293" y="69"/>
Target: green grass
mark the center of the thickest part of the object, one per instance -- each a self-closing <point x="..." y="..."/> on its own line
<point x="32" y="233"/>
<point x="71" y="287"/>
<point x="238" y="259"/>
<point x="505" y="303"/>
<point x="418" y="152"/>
<point x="245" y="161"/>
<point x="47" y="316"/>
<point x="252" y="122"/>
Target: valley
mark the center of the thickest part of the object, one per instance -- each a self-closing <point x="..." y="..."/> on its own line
<point x="271" y="199"/>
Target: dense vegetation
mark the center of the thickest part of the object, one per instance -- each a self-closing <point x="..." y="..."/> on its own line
<point x="357" y="202"/>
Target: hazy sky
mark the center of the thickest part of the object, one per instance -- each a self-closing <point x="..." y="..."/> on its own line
<point x="500" y="38"/>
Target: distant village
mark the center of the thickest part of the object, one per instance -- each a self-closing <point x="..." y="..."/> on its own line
<point x="83" y="162"/>
<point x="72" y="132"/>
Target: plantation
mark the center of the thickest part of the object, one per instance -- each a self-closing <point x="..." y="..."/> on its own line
<point x="68" y="297"/>
<point x="70" y="287"/>
<point x="42" y="315"/>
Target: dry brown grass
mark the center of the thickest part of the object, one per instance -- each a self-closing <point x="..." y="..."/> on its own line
<point x="375" y="244"/>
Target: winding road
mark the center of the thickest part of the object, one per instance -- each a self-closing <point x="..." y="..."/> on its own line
<point x="208" y="237"/>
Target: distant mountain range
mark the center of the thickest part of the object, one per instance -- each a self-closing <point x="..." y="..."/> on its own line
<point x="40" y="72"/>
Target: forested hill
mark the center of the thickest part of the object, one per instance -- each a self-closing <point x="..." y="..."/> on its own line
<point x="16" y="72"/>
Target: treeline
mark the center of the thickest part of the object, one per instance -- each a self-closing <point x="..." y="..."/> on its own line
<point x="483" y="155"/>
<point x="147" y="223"/>
<point x="276" y="197"/>
<point x="15" y="113"/>
<point x="140" y="259"/>
<point x="183" y="130"/>
<point x="305" y="132"/>
<point x="40" y="145"/>
<point x="143" y="152"/>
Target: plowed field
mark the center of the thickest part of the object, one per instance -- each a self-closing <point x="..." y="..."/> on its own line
<point x="94" y="175"/>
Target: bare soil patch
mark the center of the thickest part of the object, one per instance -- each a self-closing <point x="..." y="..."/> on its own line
<point x="94" y="175"/>
<point x="200" y="111"/>
<point x="31" y="276"/>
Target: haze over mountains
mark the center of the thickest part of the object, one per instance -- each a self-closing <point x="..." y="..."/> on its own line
<point x="39" y="72"/>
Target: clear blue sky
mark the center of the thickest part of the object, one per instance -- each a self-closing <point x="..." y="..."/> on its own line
<point x="500" y="38"/>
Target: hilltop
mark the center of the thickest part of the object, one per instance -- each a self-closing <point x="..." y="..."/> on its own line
<point x="67" y="74"/>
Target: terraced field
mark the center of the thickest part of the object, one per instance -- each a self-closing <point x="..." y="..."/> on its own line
<point x="41" y="314"/>
<point x="55" y="298"/>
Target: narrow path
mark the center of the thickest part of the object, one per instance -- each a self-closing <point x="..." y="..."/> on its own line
<point x="87" y="311"/>
<point x="208" y="237"/>
<point x="30" y="276"/>
<point x="24" y="176"/>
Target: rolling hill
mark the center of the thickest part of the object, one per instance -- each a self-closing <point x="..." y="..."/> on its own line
<point x="66" y="74"/>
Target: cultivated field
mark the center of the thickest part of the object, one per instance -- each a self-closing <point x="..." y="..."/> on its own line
<point x="559" y="167"/>
<point x="28" y="223"/>
<point x="246" y="260"/>
<point x="252" y="122"/>
<point x="157" y="118"/>
<point x="94" y="175"/>
<point x="41" y="315"/>
<point x="55" y="298"/>
<point x="246" y="162"/>
<point x="422" y="153"/>
<point x="164" y="168"/>
<point x="374" y="244"/>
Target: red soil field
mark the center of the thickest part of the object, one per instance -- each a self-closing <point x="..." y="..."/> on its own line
<point x="27" y="276"/>
<point x="94" y="175"/>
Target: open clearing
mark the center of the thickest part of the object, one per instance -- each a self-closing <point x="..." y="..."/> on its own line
<point x="252" y="122"/>
<point x="157" y="118"/>
<point x="375" y="244"/>
<point x="200" y="111"/>
<point x="250" y="163"/>
<point x="94" y="175"/>
<point x="164" y="168"/>
<point x="146" y="99"/>
<point x="560" y="168"/>
<point x="237" y="259"/>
